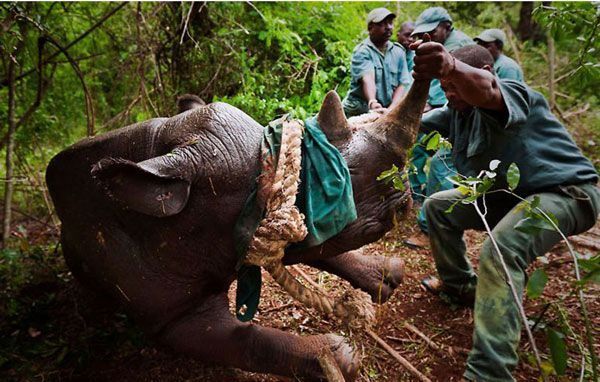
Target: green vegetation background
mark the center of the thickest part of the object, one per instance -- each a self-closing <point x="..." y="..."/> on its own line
<point x="265" y="58"/>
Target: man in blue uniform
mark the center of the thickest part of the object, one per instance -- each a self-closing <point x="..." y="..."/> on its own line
<point x="404" y="37"/>
<point x="436" y="22"/>
<point x="379" y="74"/>
<point x="505" y="67"/>
<point x="487" y="119"/>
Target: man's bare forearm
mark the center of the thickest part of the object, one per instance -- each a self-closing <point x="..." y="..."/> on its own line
<point x="368" y="87"/>
<point x="477" y="87"/>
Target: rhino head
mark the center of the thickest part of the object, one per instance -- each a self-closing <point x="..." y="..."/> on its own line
<point x="371" y="144"/>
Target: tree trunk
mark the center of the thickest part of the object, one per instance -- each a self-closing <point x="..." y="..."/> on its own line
<point x="528" y="29"/>
<point x="8" y="185"/>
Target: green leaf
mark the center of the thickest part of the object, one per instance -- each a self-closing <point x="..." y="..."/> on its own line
<point x="536" y="283"/>
<point x="485" y="185"/>
<point x="456" y="180"/>
<point x="469" y="199"/>
<point x="552" y="218"/>
<point x="558" y="350"/>
<point x="398" y="185"/>
<point x="590" y="264"/>
<point x="433" y="142"/>
<point x="533" y="225"/>
<point x="512" y="176"/>
<point x="451" y="208"/>
<point x="592" y="270"/>
<point x="387" y="173"/>
<point x="591" y="277"/>
<point x="535" y="202"/>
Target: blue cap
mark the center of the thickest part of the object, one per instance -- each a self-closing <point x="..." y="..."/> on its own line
<point x="490" y="35"/>
<point x="378" y="14"/>
<point x="430" y="18"/>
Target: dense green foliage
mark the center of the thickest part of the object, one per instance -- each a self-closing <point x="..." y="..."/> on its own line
<point x="267" y="58"/>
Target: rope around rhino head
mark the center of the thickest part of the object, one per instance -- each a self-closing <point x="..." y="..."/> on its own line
<point x="283" y="223"/>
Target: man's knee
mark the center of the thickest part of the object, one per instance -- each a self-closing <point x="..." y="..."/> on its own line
<point x="431" y="207"/>
<point x="438" y="203"/>
<point x="514" y="258"/>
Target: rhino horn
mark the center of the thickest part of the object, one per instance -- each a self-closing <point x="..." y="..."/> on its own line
<point x="400" y="125"/>
<point x="332" y="120"/>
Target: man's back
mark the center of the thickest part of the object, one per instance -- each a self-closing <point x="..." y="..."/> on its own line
<point x="529" y="135"/>
<point x="506" y="68"/>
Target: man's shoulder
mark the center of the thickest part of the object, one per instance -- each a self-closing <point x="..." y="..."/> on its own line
<point x="362" y="46"/>
<point x="398" y="45"/>
<point x="457" y="39"/>
<point x="508" y="62"/>
<point x="397" y="50"/>
<point x="515" y="85"/>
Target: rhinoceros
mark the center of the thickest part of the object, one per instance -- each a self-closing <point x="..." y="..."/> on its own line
<point x="154" y="230"/>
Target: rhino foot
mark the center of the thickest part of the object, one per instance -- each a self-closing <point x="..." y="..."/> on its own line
<point x="376" y="275"/>
<point x="388" y="274"/>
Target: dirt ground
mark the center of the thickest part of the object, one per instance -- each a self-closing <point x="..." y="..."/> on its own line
<point x="46" y="333"/>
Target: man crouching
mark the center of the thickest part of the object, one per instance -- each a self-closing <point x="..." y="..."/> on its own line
<point x="485" y="119"/>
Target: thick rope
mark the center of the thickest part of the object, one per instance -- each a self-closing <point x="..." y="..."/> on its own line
<point x="283" y="223"/>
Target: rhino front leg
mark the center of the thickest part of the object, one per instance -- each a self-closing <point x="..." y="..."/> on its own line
<point x="212" y="334"/>
<point x="376" y="275"/>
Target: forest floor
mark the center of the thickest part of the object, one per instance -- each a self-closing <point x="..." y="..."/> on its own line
<point x="45" y="334"/>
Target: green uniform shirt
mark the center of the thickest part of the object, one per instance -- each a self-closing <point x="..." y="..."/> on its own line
<point x="528" y="135"/>
<point x="390" y="72"/>
<point x="507" y="69"/>
<point x="456" y="39"/>
<point x="410" y="56"/>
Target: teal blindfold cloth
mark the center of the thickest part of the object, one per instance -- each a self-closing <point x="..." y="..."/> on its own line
<point x="324" y="197"/>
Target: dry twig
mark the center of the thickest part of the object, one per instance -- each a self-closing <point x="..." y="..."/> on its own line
<point x="403" y="361"/>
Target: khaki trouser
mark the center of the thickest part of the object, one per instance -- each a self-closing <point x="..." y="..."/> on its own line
<point x="497" y="324"/>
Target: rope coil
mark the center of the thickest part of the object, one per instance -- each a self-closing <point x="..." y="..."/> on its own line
<point x="283" y="223"/>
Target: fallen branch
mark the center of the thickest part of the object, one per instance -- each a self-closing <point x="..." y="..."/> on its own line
<point x="278" y="307"/>
<point x="403" y="361"/>
<point x="423" y="337"/>
<point x="581" y="110"/>
<point x="403" y="340"/>
<point x="442" y="349"/>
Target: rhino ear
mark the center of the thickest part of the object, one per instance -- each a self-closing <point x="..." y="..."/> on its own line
<point x="142" y="187"/>
<point x="332" y="120"/>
